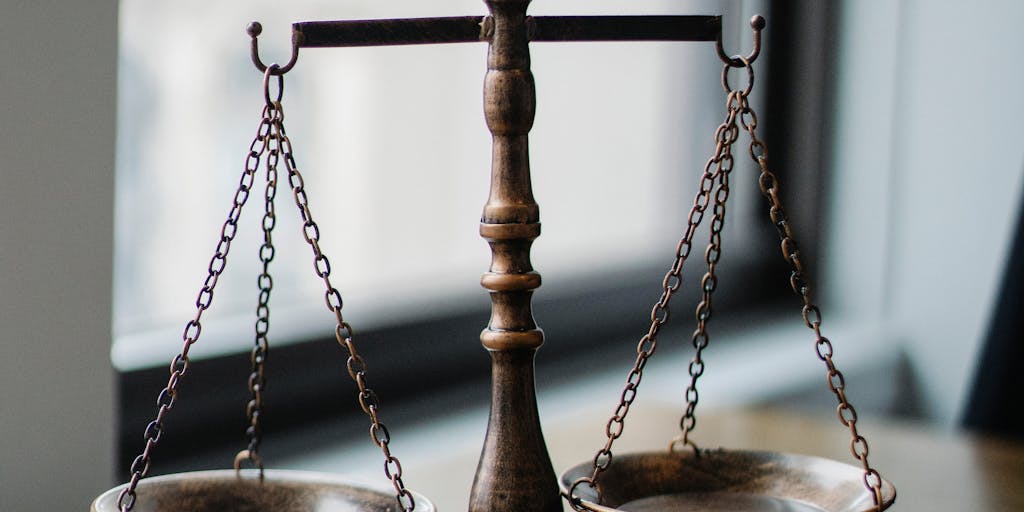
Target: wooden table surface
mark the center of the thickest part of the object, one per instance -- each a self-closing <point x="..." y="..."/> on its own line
<point x="932" y="470"/>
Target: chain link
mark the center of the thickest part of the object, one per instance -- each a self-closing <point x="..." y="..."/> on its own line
<point x="739" y="110"/>
<point x="265" y="283"/>
<point x="180" y="364"/>
<point x="725" y="136"/>
<point x="355" y="364"/>
<point x="713" y="186"/>
<point x="769" y="186"/>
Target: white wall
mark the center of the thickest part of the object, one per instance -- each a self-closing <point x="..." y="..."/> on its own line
<point x="56" y="203"/>
<point x="928" y="160"/>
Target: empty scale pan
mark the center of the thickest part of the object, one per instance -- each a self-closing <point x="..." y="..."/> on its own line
<point x="726" y="480"/>
<point x="279" y="491"/>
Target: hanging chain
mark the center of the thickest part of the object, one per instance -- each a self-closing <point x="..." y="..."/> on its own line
<point x="717" y="165"/>
<point x="725" y="136"/>
<point x="343" y="331"/>
<point x="769" y="186"/>
<point x="180" y="364"/>
<point x="258" y="357"/>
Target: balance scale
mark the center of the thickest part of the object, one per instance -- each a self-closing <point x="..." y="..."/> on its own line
<point x="514" y="471"/>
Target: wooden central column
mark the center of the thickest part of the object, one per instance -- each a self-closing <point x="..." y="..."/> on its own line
<point x="514" y="473"/>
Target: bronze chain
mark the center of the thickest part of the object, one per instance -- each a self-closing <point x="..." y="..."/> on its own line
<point x="713" y="183"/>
<point x="343" y="331"/>
<point x="180" y="364"/>
<point x="769" y="186"/>
<point x="739" y="109"/>
<point x="270" y="137"/>
<point x="261" y="345"/>
<point x="725" y="136"/>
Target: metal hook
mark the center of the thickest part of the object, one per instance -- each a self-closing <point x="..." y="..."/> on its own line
<point x="254" y="30"/>
<point x="757" y="23"/>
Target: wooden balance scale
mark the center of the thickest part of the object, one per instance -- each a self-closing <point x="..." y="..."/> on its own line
<point x="514" y="471"/>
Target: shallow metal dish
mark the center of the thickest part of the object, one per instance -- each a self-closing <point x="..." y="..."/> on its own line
<point x="727" y="480"/>
<point x="280" y="491"/>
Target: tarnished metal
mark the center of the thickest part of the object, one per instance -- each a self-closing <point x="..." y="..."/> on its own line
<point x="355" y="363"/>
<point x="664" y="491"/>
<point x="514" y="472"/>
<point x="713" y="188"/>
<point x="757" y="23"/>
<point x="261" y="345"/>
<point x="179" y="366"/>
<point x="726" y="481"/>
<point x="725" y="136"/>
<point x="469" y="29"/>
<point x="271" y="140"/>
<point x="769" y="185"/>
<point x="277" y="491"/>
<point x="349" y="33"/>
<point x="254" y="30"/>
<point x="624" y="28"/>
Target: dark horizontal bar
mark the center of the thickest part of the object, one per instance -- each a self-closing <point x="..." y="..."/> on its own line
<point x="625" y="28"/>
<point x="324" y="34"/>
<point x="467" y="29"/>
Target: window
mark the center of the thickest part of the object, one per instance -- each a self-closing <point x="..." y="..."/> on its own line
<point x="396" y="159"/>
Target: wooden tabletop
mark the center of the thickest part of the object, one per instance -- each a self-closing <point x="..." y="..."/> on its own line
<point x="932" y="470"/>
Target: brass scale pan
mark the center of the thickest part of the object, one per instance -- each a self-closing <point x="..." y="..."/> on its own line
<point x="717" y="480"/>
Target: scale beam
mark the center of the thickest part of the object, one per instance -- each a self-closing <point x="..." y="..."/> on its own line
<point x="625" y="28"/>
<point x="350" y="33"/>
<point x="514" y="473"/>
<point x="471" y="29"/>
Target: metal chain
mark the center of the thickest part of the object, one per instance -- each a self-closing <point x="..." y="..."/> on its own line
<point x="769" y="186"/>
<point x="725" y="135"/>
<point x="343" y="331"/>
<point x="180" y="364"/>
<point x="258" y="357"/>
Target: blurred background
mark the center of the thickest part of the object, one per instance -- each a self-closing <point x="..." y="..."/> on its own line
<point x="892" y="127"/>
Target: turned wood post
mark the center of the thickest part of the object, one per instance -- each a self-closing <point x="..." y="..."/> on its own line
<point x="514" y="473"/>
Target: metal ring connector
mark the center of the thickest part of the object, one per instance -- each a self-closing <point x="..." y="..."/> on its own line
<point x="254" y="30"/>
<point x="267" y="73"/>
<point x="681" y="441"/>
<point x="248" y="456"/>
<point x="757" y="23"/>
<point x="750" y="80"/>
<point x="575" y="501"/>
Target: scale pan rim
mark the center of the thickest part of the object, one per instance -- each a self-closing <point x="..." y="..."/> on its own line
<point x="309" y="490"/>
<point x="656" y="480"/>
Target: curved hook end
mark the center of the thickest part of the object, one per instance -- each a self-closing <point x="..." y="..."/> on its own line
<point x="254" y="30"/>
<point x="757" y="22"/>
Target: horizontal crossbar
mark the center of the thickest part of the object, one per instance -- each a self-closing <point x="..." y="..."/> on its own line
<point x="467" y="29"/>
